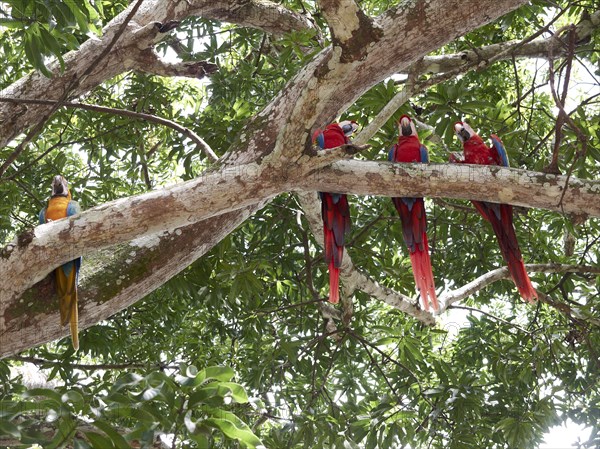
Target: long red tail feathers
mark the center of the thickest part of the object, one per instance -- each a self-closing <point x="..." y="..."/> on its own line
<point x="414" y="224"/>
<point x="334" y="283"/>
<point x="333" y="255"/>
<point x="421" y="266"/>
<point x="522" y="281"/>
<point x="509" y="247"/>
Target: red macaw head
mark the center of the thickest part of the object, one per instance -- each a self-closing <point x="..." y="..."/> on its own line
<point x="463" y="131"/>
<point x="60" y="187"/>
<point x="406" y="126"/>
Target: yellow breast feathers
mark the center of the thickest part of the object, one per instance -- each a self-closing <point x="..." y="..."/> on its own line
<point x="57" y="207"/>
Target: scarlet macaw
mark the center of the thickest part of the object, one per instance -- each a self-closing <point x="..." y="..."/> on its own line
<point x="500" y="216"/>
<point x="334" y="207"/>
<point x="60" y="206"/>
<point x="412" y="213"/>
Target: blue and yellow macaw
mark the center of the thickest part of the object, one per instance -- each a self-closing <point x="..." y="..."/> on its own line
<point x="60" y="206"/>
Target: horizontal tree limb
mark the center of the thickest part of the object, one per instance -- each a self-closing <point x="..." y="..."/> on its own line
<point x="151" y="62"/>
<point x="539" y="48"/>
<point x="474" y="182"/>
<point x="262" y="169"/>
<point x="200" y="143"/>
<point x="32" y="255"/>
<point x="36" y="253"/>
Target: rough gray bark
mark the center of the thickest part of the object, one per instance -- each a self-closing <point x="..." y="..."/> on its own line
<point x="538" y="48"/>
<point x="241" y="186"/>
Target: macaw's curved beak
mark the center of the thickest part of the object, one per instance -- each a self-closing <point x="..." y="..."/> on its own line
<point x="461" y="132"/>
<point x="405" y="127"/>
<point x="349" y="127"/>
<point x="59" y="186"/>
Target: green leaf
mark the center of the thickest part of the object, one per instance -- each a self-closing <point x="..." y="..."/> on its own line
<point x="80" y="444"/>
<point x="237" y="392"/>
<point x="8" y="428"/>
<point x="80" y="16"/>
<point x="75" y="397"/>
<point x="230" y="430"/>
<point x="117" y="439"/>
<point x="126" y="380"/>
<point x="221" y="373"/>
<point x="99" y="441"/>
<point x="55" y="397"/>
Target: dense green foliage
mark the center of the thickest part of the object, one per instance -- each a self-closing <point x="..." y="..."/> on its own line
<point x="498" y="379"/>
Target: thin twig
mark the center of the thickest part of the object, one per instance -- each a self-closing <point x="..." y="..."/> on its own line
<point x="26" y="189"/>
<point x="58" y="144"/>
<point x="517" y="85"/>
<point x="494" y="317"/>
<point x="290" y="306"/>
<point x="394" y="361"/>
<point x="200" y="143"/>
<point x="566" y="117"/>
<point x="502" y="273"/>
<point x="374" y="362"/>
<point x="102" y="366"/>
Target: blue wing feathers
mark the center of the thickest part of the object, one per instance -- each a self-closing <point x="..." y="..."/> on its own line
<point x="424" y="154"/>
<point x="392" y="154"/>
<point x="43" y="216"/>
<point x="67" y="267"/>
<point x="410" y="202"/>
<point x="73" y="208"/>
<point x="320" y="140"/>
<point x="499" y="147"/>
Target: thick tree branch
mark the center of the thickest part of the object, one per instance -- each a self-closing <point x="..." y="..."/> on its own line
<point x="265" y="15"/>
<point x="332" y="82"/>
<point x="351" y="29"/>
<point x="126" y="219"/>
<point x="344" y="18"/>
<point x="25" y="260"/>
<point x="484" y="183"/>
<point x="453" y="296"/>
<point x="151" y="62"/>
<point x="267" y="150"/>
